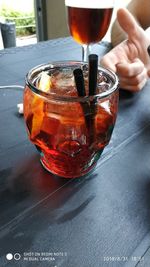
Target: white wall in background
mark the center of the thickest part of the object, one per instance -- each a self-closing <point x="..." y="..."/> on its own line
<point x="118" y="4"/>
<point x="19" y="5"/>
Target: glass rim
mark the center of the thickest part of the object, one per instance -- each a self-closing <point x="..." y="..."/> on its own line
<point x="88" y="4"/>
<point x="68" y="98"/>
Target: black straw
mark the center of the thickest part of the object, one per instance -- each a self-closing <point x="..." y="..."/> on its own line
<point x="88" y="110"/>
<point x="93" y="66"/>
<point x="79" y="80"/>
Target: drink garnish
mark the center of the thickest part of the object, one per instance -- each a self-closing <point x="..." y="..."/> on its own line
<point x="44" y="82"/>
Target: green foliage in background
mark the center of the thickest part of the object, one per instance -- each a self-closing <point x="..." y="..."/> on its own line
<point x="9" y="14"/>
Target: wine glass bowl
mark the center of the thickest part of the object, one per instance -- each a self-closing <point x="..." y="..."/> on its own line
<point x="88" y="21"/>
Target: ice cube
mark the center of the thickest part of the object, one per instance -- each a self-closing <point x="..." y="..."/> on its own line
<point x="63" y="82"/>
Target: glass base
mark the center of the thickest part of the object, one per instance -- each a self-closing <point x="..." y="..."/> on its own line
<point x="88" y="171"/>
<point x="68" y="174"/>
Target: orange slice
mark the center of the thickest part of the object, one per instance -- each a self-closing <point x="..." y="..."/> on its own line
<point x="38" y="105"/>
<point x="45" y="82"/>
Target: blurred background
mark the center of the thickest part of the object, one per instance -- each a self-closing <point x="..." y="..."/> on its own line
<point x="38" y="20"/>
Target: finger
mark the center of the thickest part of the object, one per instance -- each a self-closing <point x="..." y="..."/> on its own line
<point x="133" y="88"/>
<point x="128" y="23"/>
<point x="108" y="61"/>
<point x="130" y="69"/>
<point x="135" y="80"/>
<point x="148" y="73"/>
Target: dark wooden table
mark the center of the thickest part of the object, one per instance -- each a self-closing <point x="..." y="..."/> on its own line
<point x="100" y="220"/>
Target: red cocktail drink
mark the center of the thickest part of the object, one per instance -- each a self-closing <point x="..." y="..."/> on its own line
<point x="70" y="132"/>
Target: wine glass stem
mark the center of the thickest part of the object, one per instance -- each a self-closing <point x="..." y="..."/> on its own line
<point x="85" y="52"/>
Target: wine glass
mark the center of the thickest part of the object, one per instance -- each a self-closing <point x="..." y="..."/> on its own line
<point x="88" y="21"/>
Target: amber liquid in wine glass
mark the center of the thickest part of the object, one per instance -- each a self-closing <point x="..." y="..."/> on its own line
<point x="88" y="21"/>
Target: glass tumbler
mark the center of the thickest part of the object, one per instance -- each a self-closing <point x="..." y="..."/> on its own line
<point x="69" y="131"/>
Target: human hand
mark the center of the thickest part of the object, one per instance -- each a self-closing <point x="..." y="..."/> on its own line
<point x="130" y="59"/>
